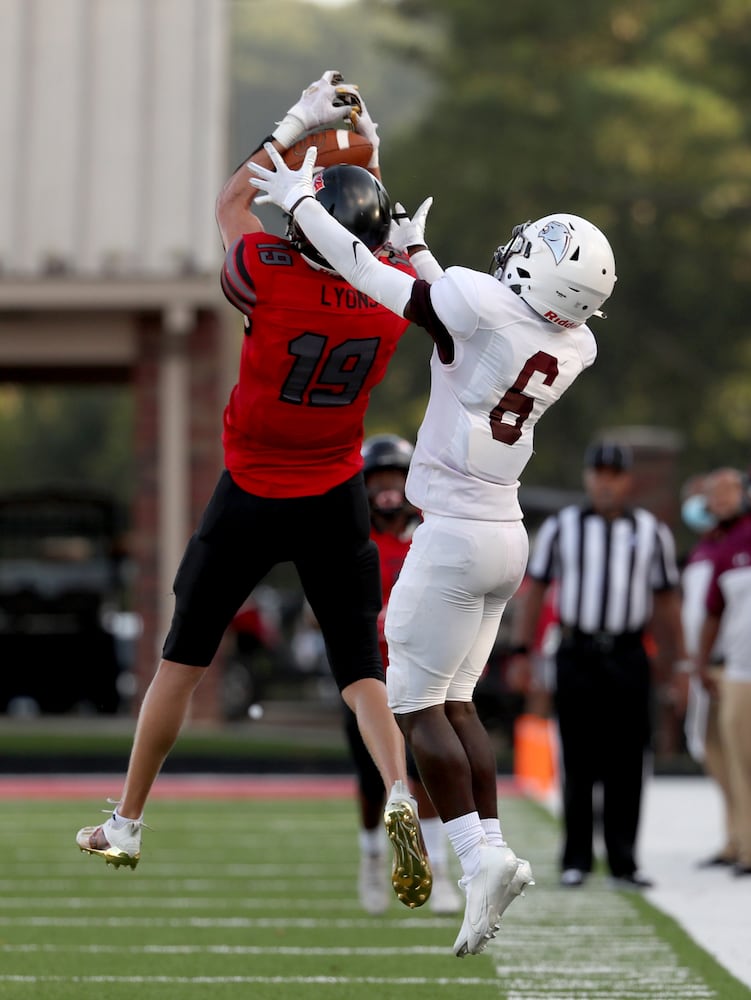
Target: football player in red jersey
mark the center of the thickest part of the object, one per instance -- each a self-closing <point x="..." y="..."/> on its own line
<point x="293" y="428"/>
<point x="386" y="460"/>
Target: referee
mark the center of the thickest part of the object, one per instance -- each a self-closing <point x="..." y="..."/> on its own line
<point x="615" y="567"/>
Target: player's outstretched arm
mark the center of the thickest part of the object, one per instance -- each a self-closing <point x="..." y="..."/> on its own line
<point x="324" y="103"/>
<point x="292" y="191"/>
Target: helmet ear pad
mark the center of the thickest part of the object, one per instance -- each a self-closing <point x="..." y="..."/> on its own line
<point x="357" y="200"/>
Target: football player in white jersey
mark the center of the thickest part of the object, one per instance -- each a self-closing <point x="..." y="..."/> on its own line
<point x="507" y="345"/>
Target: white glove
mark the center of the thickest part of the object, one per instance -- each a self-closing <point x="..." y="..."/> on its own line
<point x="364" y="125"/>
<point x="324" y="102"/>
<point x="282" y="186"/>
<point x="406" y="232"/>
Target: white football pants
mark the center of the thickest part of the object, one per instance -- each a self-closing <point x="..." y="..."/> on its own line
<point x="445" y="609"/>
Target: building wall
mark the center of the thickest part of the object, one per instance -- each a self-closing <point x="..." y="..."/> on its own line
<point x="113" y="124"/>
<point x="112" y="135"/>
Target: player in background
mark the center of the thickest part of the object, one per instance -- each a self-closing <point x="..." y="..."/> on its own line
<point x="386" y="460"/>
<point x="293" y="431"/>
<point x="507" y="345"/>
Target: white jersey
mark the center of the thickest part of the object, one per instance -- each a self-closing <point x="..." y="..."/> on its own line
<point x="509" y="366"/>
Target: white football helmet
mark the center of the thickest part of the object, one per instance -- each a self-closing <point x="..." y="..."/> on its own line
<point x="561" y="265"/>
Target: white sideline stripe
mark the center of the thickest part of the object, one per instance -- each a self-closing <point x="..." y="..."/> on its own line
<point x="604" y="991"/>
<point x="27" y="873"/>
<point x="29" y="887"/>
<point x="181" y="902"/>
<point x="260" y="980"/>
<point x="71" y="872"/>
<point x="411" y="923"/>
<point x="214" y="949"/>
<point x="204" y="825"/>
<point x="178" y="866"/>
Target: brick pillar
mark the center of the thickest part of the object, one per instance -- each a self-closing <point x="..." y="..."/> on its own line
<point x="145" y="505"/>
<point x="206" y="461"/>
<point x="206" y="405"/>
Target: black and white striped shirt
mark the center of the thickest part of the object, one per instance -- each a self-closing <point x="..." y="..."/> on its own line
<point x="607" y="571"/>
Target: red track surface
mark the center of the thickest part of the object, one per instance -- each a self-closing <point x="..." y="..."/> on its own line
<point x="191" y="787"/>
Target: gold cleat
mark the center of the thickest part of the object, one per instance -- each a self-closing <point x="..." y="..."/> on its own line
<point x="411" y="876"/>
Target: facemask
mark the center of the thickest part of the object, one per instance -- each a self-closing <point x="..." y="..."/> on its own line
<point x="696" y="516"/>
<point x="387" y="503"/>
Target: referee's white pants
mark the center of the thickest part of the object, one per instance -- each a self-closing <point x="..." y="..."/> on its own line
<point x="443" y="615"/>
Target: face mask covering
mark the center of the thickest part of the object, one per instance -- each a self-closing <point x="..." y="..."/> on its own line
<point x="695" y="515"/>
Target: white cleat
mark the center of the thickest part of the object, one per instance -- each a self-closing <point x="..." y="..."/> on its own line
<point x="501" y="878"/>
<point x="444" y="897"/>
<point x="117" y="847"/>
<point x="521" y="878"/>
<point x="373" y="884"/>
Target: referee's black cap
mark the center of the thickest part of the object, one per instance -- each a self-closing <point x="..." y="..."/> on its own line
<point x="608" y="455"/>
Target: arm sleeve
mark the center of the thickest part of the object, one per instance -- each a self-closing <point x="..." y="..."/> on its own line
<point x="350" y="257"/>
<point x="426" y="265"/>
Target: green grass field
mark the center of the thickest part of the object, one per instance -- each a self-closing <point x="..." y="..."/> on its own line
<point x="258" y="899"/>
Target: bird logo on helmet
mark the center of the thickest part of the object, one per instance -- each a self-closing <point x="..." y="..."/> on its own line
<point x="357" y="200"/>
<point x="562" y="266"/>
<point x="557" y="238"/>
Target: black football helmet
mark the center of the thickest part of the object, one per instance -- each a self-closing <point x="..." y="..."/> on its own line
<point x="357" y="200"/>
<point x="386" y="451"/>
<point x="380" y="452"/>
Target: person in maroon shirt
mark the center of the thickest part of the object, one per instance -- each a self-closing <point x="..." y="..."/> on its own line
<point x="728" y="607"/>
<point x="312" y="352"/>
<point x="713" y="508"/>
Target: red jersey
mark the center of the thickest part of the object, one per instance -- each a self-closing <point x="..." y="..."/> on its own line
<point x="392" y="552"/>
<point x="314" y="348"/>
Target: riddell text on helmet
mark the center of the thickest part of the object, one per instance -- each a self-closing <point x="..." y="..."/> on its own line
<point x="555" y="318"/>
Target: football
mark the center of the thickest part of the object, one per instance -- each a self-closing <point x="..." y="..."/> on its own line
<point x="335" y="145"/>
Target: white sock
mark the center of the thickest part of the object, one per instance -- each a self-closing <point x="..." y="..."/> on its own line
<point x="119" y="821"/>
<point x="434" y="836"/>
<point x="493" y="834"/>
<point x="466" y="836"/>
<point x="399" y="790"/>
<point x="371" y="841"/>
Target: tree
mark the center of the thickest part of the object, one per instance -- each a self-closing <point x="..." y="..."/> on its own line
<point x="630" y="115"/>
